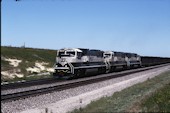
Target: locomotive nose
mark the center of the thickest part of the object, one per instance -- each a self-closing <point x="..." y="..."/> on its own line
<point x="63" y="63"/>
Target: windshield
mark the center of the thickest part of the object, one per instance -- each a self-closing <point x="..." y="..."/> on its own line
<point x="68" y="53"/>
<point x="60" y="54"/>
<point x="107" y="55"/>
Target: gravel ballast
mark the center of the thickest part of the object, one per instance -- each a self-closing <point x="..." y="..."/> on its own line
<point x="70" y="99"/>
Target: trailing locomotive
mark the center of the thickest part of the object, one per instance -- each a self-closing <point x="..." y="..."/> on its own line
<point x="121" y="60"/>
<point x="75" y="62"/>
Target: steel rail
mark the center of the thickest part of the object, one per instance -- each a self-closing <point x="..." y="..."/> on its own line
<point x="90" y="80"/>
<point x="28" y="83"/>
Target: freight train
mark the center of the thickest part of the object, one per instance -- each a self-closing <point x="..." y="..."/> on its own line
<point x="76" y="62"/>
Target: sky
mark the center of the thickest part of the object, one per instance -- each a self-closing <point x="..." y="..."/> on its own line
<point x="137" y="26"/>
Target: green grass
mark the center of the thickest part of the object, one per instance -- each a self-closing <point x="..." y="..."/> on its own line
<point x="132" y="99"/>
<point x="158" y="101"/>
<point x="28" y="56"/>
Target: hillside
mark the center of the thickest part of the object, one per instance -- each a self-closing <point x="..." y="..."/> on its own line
<point x="19" y="62"/>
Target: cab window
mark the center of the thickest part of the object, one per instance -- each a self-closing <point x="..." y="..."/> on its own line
<point x="60" y="54"/>
<point x="107" y="55"/>
<point x="79" y="54"/>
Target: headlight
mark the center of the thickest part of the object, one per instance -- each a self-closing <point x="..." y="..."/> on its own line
<point x="63" y="60"/>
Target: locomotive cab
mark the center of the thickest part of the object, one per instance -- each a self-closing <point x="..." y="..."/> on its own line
<point x="134" y="60"/>
<point x="64" y="60"/>
<point x="68" y="55"/>
<point x="108" y="55"/>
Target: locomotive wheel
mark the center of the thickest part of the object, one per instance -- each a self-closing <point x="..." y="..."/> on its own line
<point x="101" y="70"/>
<point x="80" y="72"/>
<point x="125" y="67"/>
<point x="112" y="69"/>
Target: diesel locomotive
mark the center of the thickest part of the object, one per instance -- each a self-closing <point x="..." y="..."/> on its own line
<point x="76" y="62"/>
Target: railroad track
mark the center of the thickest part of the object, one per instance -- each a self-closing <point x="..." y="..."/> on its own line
<point x="22" y="84"/>
<point x="74" y="83"/>
<point x="29" y="83"/>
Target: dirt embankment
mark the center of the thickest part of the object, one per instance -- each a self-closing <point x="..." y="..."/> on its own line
<point x="18" y="63"/>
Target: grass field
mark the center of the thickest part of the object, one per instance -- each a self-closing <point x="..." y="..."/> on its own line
<point x="158" y="101"/>
<point x="152" y="95"/>
<point x="28" y="56"/>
